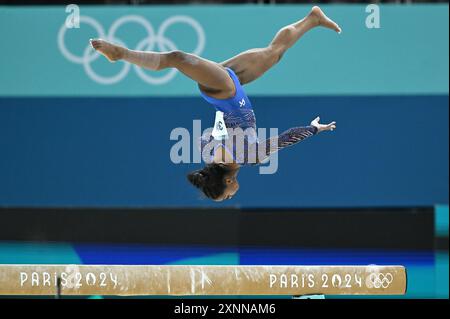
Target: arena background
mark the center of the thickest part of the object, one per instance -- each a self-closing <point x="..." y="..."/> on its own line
<point x="85" y="172"/>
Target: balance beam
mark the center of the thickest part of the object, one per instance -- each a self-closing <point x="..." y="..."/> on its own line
<point x="126" y="280"/>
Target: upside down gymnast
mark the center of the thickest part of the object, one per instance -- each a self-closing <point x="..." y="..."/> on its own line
<point x="221" y="84"/>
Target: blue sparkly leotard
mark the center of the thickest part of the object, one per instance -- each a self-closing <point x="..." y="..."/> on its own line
<point x="238" y="113"/>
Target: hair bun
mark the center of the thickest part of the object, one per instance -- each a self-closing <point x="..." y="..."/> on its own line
<point x="197" y="179"/>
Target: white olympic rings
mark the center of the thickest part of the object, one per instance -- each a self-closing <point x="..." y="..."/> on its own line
<point x="149" y="43"/>
<point x="380" y="280"/>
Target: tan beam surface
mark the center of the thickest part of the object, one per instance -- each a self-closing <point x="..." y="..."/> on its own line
<point x="201" y="280"/>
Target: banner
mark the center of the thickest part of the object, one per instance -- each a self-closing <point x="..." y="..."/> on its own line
<point x="45" y="54"/>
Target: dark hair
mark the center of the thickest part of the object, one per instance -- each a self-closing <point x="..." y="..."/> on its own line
<point x="210" y="180"/>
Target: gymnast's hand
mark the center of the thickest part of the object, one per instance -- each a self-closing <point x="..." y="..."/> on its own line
<point x="323" y="127"/>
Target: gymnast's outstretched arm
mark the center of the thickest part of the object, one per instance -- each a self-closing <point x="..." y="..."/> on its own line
<point x="293" y="136"/>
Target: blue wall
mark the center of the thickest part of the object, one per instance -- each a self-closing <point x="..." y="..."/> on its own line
<point x="387" y="151"/>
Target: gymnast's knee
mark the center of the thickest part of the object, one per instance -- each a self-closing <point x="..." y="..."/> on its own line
<point x="276" y="53"/>
<point x="177" y="57"/>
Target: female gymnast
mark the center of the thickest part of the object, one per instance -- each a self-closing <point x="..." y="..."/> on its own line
<point x="221" y="85"/>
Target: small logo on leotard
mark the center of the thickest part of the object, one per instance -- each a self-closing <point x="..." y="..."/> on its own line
<point x="219" y="125"/>
<point x="242" y="103"/>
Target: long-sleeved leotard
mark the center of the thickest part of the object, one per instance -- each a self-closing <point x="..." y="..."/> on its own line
<point x="244" y="147"/>
<point x="242" y="142"/>
<point x="286" y="139"/>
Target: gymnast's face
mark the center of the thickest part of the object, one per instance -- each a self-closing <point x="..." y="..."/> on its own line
<point x="232" y="186"/>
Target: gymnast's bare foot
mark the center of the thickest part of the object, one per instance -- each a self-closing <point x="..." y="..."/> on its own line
<point x="323" y="20"/>
<point x="111" y="51"/>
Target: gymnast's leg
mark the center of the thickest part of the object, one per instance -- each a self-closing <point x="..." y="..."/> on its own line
<point x="251" y="64"/>
<point x="211" y="76"/>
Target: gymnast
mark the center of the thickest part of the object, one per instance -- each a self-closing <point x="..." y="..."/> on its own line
<point x="220" y="84"/>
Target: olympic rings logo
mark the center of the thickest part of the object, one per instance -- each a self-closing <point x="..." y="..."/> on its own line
<point x="379" y="280"/>
<point x="149" y="43"/>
